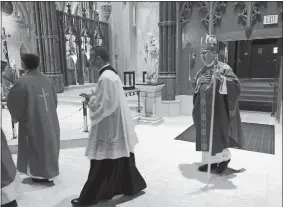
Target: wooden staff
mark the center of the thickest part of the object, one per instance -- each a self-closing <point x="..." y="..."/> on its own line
<point x="211" y="127"/>
<point x="211" y="16"/>
<point x="85" y="116"/>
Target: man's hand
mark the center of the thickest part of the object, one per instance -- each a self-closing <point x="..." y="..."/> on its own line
<point x="86" y="96"/>
<point x="205" y="79"/>
<point x="217" y="75"/>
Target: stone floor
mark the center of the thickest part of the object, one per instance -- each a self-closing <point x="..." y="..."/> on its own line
<point x="170" y="170"/>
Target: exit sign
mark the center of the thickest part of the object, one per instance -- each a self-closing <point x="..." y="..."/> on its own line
<point x="270" y="19"/>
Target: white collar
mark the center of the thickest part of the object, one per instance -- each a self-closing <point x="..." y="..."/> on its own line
<point x="104" y="67"/>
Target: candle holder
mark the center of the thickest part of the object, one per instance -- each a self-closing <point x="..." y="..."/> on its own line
<point x="130" y="84"/>
<point x="144" y="76"/>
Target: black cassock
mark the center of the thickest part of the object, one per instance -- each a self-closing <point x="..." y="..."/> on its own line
<point x="109" y="177"/>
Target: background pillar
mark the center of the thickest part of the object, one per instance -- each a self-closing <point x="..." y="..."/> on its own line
<point x="167" y="42"/>
<point x="47" y="42"/>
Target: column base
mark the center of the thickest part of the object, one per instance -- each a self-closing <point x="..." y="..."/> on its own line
<point x="169" y="91"/>
<point x="186" y="104"/>
<point x="151" y="120"/>
<point x="170" y="108"/>
<point x="58" y="81"/>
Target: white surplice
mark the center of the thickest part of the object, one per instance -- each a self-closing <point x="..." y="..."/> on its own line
<point x="112" y="134"/>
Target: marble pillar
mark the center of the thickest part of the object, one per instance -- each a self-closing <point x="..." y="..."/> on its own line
<point x="167" y="51"/>
<point x="47" y="42"/>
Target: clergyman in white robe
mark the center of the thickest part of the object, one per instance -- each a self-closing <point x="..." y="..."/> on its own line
<point x="111" y="144"/>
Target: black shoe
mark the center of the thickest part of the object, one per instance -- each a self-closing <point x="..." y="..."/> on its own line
<point x="204" y="168"/>
<point x="222" y="167"/>
<point x="75" y="202"/>
<point x="36" y="180"/>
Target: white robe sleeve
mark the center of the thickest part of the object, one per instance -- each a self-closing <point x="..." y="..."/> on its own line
<point x="223" y="86"/>
<point x="104" y="103"/>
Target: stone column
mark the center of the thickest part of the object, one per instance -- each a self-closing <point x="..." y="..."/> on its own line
<point x="178" y="49"/>
<point x="167" y="50"/>
<point x="47" y="42"/>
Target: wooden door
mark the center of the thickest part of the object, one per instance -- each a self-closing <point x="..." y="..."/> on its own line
<point x="232" y="55"/>
<point x="264" y="58"/>
<point x="243" y="59"/>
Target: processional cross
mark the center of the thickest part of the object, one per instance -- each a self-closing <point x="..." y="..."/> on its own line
<point x="44" y="97"/>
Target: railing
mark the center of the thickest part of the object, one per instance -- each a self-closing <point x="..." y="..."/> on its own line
<point x="132" y="93"/>
<point x="279" y="93"/>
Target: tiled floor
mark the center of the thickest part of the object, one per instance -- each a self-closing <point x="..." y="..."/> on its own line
<point x="170" y="170"/>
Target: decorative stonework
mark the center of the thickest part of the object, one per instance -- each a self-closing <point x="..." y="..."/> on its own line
<point x="106" y="9"/>
<point x="166" y="23"/>
<point x="185" y="13"/>
<point x="248" y="14"/>
<point x="219" y="8"/>
<point x="151" y="55"/>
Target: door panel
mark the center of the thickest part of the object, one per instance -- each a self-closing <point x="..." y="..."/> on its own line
<point x="243" y="59"/>
<point x="232" y="58"/>
<point x="264" y="58"/>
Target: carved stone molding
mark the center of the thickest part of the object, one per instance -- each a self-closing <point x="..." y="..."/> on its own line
<point x="185" y="13"/>
<point x="249" y="14"/>
<point x="166" y="23"/>
<point x="219" y="8"/>
<point x="242" y="10"/>
<point x="167" y="75"/>
<point x="106" y="9"/>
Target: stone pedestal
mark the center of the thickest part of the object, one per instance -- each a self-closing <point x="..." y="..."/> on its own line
<point x="151" y="96"/>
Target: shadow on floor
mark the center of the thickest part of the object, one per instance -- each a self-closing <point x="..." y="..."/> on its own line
<point x="190" y="171"/>
<point x="117" y="200"/>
